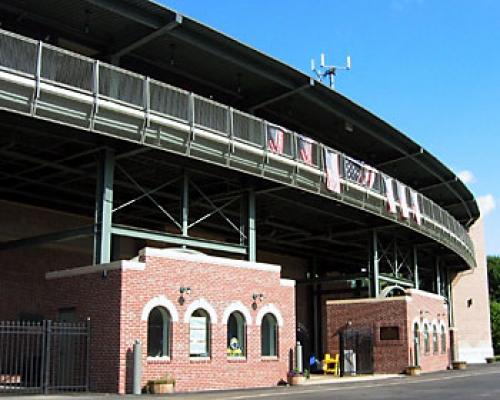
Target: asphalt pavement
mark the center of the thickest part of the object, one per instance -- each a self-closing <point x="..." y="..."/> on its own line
<point x="477" y="382"/>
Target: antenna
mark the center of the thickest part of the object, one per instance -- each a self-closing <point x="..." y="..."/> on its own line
<point x="329" y="70"/>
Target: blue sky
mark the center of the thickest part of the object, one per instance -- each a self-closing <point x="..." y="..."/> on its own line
<point x="429" y="67"/>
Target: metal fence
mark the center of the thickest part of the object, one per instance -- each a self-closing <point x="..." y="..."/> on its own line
<point x="53" y="65"/>
<point x="43" y="357"/>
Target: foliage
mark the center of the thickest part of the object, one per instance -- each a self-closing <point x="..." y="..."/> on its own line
<point x="494" y="284"/>
<point x="495" y="325"/>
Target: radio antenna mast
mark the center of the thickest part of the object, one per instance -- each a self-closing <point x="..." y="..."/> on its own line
<point x="329" y="71"/>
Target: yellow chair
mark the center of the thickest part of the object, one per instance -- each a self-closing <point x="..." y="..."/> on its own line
<point x="331" y="365"/>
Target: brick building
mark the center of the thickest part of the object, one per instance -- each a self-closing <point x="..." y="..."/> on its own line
<point x="164" y="183"/>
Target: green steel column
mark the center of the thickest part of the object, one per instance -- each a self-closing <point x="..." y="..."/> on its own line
<point x="438" y="276"/>
<point x="375" y="265"/>
<point x="316" y="310"/>
<point x="416" y="282"/>
<point x="252" y="242"/>
<point x="185" y="204"/>
<point x="449" y="296"/>
<point x="104" y="208"/>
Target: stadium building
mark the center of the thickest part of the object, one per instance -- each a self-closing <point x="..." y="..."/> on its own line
<point x="163" y="183"/>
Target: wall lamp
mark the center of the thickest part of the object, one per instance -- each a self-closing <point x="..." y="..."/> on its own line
<point x="257" y="296"/>
<point x="185" y="290"/>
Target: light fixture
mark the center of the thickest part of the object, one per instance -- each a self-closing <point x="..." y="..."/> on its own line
<point x="185" y="290"/>
<point x="257" y="296"/>
<point x="349" y="127"/>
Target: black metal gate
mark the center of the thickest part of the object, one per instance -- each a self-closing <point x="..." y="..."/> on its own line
<point x="356" y="351"/>
<point x="42" y="357"/>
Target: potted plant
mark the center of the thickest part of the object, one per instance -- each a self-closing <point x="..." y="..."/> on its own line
<point x="413" y="370"/>
<point x="162" y="385"/>
<point x="295" y="377"/>
<point x="459" y="364"/>
<point x="490" y="360"/>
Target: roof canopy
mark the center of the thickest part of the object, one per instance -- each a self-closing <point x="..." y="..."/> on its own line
<point x="151" y="39"/>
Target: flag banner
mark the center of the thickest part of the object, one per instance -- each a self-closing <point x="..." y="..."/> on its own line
<point x="305" y="149"/>
<point x="367" y="176"/>
<point x="352" y="170"/>
<point x="415" y="207"/>
<point x="389" y="192"/>
<point x="275" y="139"/>
<point x="403" y="201"/>
<point x="332" y="171"/>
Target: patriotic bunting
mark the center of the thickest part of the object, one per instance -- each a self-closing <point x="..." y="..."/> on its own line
<point x="403" y="201"/>
<point x="275" y="139"/>
<point x="389" y="191"/>
<point x="332" y="171"/>
<point x="415" y="207"/>
<point x="304" y="147"/>
<point x="367" y="176"/>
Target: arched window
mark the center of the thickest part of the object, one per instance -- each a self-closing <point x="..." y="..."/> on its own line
<point x="435" y="342"/>
<point x="199" y="334"/>
<point x="443" y="339"/>
<point x="427" y="344"/>
<point x="269" y="335"/>
<point x="236" y="335"/>
<point x="416" y="343"/>
<point x="159" y="332"/>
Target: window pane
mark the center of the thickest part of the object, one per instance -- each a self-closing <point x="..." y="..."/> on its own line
<point x="236" y="335"/>
<point x="269" y="336"/>
<point x="199" y="334"/>
<point x="158" y="332"/>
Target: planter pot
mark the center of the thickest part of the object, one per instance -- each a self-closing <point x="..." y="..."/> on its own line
<point x="490" y="360"/>
<point x="161" y="388"/>
<point x="296" y="380"/>
<point x="413" y="371"/>
<point x="459" y="364"/>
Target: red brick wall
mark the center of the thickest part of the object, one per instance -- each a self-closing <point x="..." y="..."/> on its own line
<point x="391" y="356"/>
<point x="220" y="285"/>
<point x="99" y="299"/>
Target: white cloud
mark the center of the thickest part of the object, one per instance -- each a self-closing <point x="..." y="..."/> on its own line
<point x="466" y="176"/>
<point x="486" y="204"/>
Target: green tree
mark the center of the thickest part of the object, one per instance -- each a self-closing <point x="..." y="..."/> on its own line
<point x="494" y="284"/>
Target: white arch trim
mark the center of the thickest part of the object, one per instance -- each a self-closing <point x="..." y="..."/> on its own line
<point x="417" y="321"/>
<point x="204" y="305"/>
<point x="271" y="309"/>
<point x="160" y="301"/>
<point x="240" y="307"/>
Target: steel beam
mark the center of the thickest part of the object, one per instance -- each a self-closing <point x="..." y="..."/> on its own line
<point x="185" y="204"/>
<point x="395" y="160"/>
<point x="396" y="281"/>
<point x="252" y="234"/>
<point x="164" y="237"/>
<point x="125" y="10"/>
<point x="375" y="278"/>
<point x="281" y="96"/>
<point x="104" y="208"/>
<point x="437" y="272"/>
<point x="415" y="268"/>
<point x="61" y="236"/>
<point x="127" y="48"/>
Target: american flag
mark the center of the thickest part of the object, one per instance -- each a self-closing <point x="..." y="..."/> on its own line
<point x="275" y="139"/>
<point x="403" y="201"/>
<point x="389" y="192"/>
<point x="415" y="207"/>
<point x="352" y="170"/>
<point x="367" y="176"/>
<point x="305" y="149"/>
<point x="332" y="171"/>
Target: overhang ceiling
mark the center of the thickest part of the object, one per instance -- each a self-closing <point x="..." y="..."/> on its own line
<point x="147" y="37"/>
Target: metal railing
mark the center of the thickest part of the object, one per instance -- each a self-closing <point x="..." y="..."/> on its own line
<point x="48" y="64"/>
<point x="42" y="357"/>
